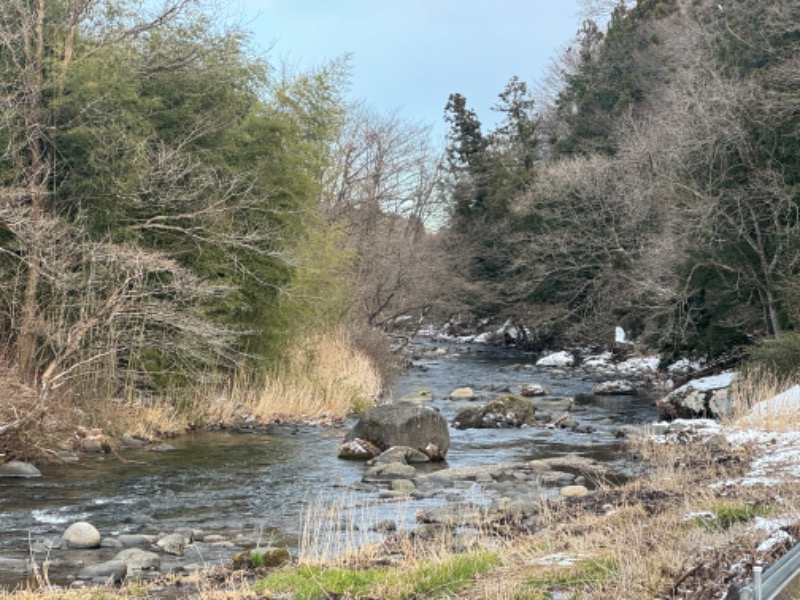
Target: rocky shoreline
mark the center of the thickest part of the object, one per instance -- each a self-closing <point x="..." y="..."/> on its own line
<point x="501" y="495"/>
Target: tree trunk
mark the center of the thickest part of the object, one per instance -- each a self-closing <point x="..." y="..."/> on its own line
<point x="36" y="177"/>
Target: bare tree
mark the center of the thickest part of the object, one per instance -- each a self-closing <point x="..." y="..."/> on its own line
<point x="382" y="184"/>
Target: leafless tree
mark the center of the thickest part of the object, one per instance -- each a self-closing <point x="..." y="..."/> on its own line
<point x="383" y="186"/>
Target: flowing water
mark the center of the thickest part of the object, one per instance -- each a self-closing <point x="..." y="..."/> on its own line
<point x="260" y="482"/>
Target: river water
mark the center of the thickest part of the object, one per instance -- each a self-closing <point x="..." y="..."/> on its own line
<point x="261" y="483"/>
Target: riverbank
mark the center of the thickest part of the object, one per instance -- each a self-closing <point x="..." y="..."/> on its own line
<point x="636" y="539"/>
<point x="691" y="525"/>
<point x="323" y="380"/>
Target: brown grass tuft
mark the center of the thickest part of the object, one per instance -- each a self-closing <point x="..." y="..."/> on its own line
<point x="324" y="378"/>
<point x="30" y="427"/>
<point x="750" y="393"/>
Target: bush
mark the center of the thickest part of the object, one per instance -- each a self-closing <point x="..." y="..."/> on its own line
<point x="779" y="355"/>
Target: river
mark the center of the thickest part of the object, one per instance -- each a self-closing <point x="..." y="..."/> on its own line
<point x="260" y="484"/>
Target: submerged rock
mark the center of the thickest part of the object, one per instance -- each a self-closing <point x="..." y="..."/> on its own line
<point x="419" y="396"/>
<point x="388" y="472"/>
<point x="111" y="570"/>
<point x="13" y="565"/>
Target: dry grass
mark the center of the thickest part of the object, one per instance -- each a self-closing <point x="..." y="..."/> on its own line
<point x="752" y="389"/>
<point x="642" y="540"/>
<point x="324" y="378"/>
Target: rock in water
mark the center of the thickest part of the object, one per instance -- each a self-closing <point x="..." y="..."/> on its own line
<point x="619" y="387"/>
<point x="112" y="570"/>
<point x="574" y="491"/>
<point x="139" y="560"/>
<point x="508" y="411"/>
<point x="17" y="468"/>
<point x="404" y="424"/>
<point x="173" y="543"/>
<point x="82" y="535"/>
<point x="358" y="449"/>
<point x="462" y="393"/>
<point x="529" y="390"/>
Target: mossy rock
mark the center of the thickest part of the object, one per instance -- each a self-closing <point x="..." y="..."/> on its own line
<point x="504" y="412"/>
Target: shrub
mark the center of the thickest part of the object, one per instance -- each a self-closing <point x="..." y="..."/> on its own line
<point x="781" y="355"/>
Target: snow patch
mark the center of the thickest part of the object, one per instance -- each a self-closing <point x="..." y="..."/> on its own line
<point x="558" y="560"/>
<point x="685" y="366"/>
<point x="786" y="403"/>
<point x="714" y="382"/>
<point x="596" y="361"/>
<point x="557" y="359"/>
<point x="776" y="539"/>
<point x="646" y="364"/>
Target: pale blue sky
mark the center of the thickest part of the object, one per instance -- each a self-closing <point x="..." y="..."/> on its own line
<point x="411" y="54"/>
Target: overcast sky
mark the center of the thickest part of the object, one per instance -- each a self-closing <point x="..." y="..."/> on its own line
<point x="412" y="54"/>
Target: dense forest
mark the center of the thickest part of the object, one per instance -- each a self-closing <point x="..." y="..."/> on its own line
<point x="654" y="186"/>
<point x="174" y="210"/>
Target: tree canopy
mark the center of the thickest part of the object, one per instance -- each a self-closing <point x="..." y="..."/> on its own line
<point x="155" y="185"/>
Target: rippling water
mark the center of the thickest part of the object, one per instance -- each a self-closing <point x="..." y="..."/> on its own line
<point x="226" y="482"/>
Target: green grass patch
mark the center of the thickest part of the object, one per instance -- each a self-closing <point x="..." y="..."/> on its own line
<point x="445" y="578"/>
<point x="430" y="579"/>
<point x="585" y="573"/>
<point x="729" y="514"/>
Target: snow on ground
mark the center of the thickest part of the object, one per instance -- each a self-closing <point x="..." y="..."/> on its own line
<point x="775" y="451"/>
<point x="784" y="404"/>
<point x="598" y="361"/>
<point x="714" y="382"/>
<point x="685" y="365"/>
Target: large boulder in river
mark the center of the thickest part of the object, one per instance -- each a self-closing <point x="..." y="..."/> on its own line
<point x="404" y="424"/>
<point x="507" y="411"/>
<point x="705" y="397"/>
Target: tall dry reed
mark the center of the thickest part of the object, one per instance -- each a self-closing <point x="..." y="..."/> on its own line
<point x="765" y="400"/>
<point x="324" y="378"/>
